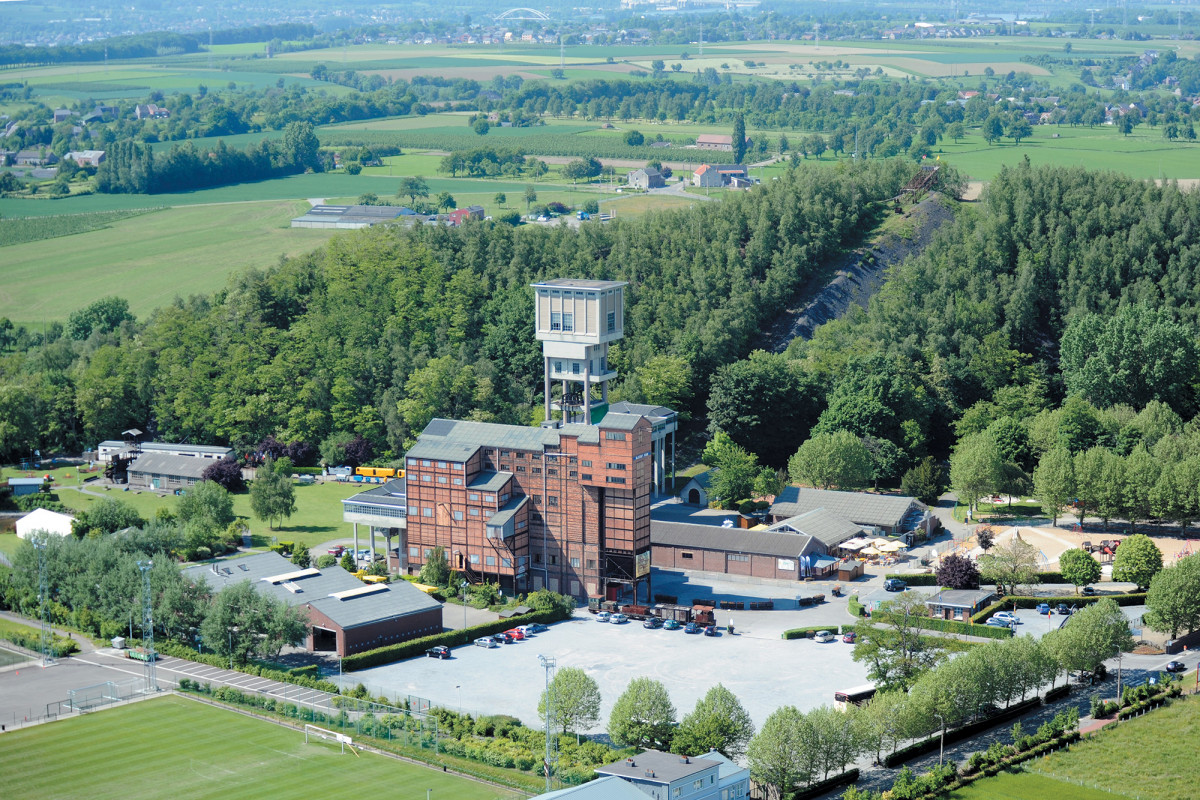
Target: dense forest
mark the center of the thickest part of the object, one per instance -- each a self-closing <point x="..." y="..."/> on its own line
<point x="383" y="328"/>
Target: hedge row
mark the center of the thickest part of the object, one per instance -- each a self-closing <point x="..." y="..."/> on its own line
<point x="801" y="633"/>
<point x="856" y="608"/>
<point x="60" y="646"/>
<point x="1027" y="601"/>
<point x="916" y="578"/>
<point x="967" y="628"/>
<point x="829" y="784"/>
<point x="415" y="647"/>
<point x="958" y="734"/>
<point x="300" y="677"/>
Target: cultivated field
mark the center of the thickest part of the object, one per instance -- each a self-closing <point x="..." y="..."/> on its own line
<point x="182" y="749"/>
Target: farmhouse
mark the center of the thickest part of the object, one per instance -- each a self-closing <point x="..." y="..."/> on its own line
<point x="34" y="158"/>
<point x="41" y="519"/>
<point x="348" y="217"/>
<point x="347" y="616"/>
<point x="715" y="141"/>
<point x="150" y="111"/>
<point x="647" y="178"/>
<point x="717" y="175"/>
<point x="460" y="215"/>
<point x="888" y="514"/>
<point x="86" y="158"/>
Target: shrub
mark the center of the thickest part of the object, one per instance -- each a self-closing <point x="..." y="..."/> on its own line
<point x="807" y="632"/>
<point x="919" y="579"/>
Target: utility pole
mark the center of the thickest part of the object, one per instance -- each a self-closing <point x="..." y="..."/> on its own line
<point x="148" y="627"/>
<point x="548" y="664"/>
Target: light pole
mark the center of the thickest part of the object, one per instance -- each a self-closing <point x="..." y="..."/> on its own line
<point x="463" y="586"/>
<point x="942" y="743"/>
<point x="1119" y="655"/>
<point x="548" y="663"/>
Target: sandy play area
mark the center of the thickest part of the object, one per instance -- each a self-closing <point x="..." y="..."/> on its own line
<point x="1051" y="542"/>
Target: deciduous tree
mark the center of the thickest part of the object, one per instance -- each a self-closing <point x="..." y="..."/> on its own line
<point x="576" y="703"/>
<point x="272" y="495"/>
<point x="957" y="572"/>
<point x="832" y="459"/>
<point x="718" y="722"/>
<point x="1173" y="602"/>
<point x="1137" y="560"/>
<point x="1078" y="567"/>
<point x="1010" y="565"/>
<point x="643" y="716"/>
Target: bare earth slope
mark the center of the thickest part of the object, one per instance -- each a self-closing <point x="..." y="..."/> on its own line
<point x="860" y="276"/>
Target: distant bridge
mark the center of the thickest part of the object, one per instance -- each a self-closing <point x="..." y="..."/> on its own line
<point x="522" y="13"/>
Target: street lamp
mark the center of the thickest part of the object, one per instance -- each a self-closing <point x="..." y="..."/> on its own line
<point x="463" y="586"/>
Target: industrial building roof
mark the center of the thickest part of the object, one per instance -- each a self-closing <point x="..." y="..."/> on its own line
<point x="653" y="413"/>
<point x="502" y="516"/>
<point x="489" y="481"/>
<point x="860" y="507"/>
<point x="146" y="447"/>
<point x="610" y="787"/>
<point x="657" y="766"/>
<point x="620" y="422"/>
<point x="736" y="540"/>
<point x="578" y="283"/>
<point x="391" y="493"/>
<point x="961" y="598"/>
<point x="274" y="575"/>
<point x="829" y="528"/>
<point x="167" y="464"/>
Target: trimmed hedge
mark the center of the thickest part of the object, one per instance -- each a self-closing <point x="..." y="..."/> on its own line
<point x="1057" y="693"/>
<point x="60" y="646"/>
<point x="856" y="608"/>
<point x="916" y="578"/>
<point x="822" y="787"/>
<point x="1028" y="601"/>
<point x="801" y="633"/>
<point x="967" y="628"/>
<point x="958" y="734"/>
<point x="415" y="647"/>
<point x="300" y="676"/>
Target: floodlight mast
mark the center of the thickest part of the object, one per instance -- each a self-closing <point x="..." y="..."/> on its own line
<point x="149" y="669"/>
<point x="548" y="764"/>
<point x="47" y="634"/>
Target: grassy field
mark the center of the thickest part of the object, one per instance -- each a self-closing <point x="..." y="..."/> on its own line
<point x="202" y="244"/>
<point x="197" y="751"/>
<point x="1149" y="758"/>
<point x="9" y="543"/>
<point x="1027" y="786"/>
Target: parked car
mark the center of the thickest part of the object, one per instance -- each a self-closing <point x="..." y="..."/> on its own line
<point x="1008" y="617"/>
<point x="894" y="585"/>
<point x="691" y="627"/>
<point x="1175" y="666"/>
<point x="1089" y="591"/>
<point x="652" y="623"/>
<point x="823" y="636"/>
<point x="337" y="550"/>
<point x="1043" y="608"/>
<point x="849" y="638"/>
<point x="619" y="619"/>
<point x="502" y="638"/>
<point x="485" y="641"/>
<point x="438" y="651"/>
<point x="515" y="633"/>
<point x="526" y="630"/>
<point x="537" y="627"/>
<point x="603" y="616"/>
<point x="1062" y="608"/>
<point x="671" y="625"/>
<point x="711" y="630"/>
<point x="997" y="622"/>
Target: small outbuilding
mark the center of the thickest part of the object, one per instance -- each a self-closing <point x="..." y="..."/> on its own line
<point x="959" y="604"/>
<point x="695" y="491"/>
<point x="46" y="521"/>
<point x="23" y="486"/>
<point x="163" y="471"/>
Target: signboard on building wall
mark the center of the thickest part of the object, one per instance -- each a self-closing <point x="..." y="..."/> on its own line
<point x="787" y="565"/>
<point x="641" y="566"/>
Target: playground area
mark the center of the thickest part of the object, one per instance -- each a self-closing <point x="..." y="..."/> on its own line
<point x="1052" y="541"/>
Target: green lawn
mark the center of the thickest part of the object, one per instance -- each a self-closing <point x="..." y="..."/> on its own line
<point x="196" y="751"/>
<point x="1149" y="758"/>
<point x="9" y="543"/>
<point x="1028" y="786"/>
<point x="150" y="259"/>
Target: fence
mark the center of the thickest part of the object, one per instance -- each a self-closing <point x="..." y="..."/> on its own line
<point x="103" y="694"/>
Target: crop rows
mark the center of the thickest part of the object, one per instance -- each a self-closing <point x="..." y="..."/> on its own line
<point x="32" y="229"/>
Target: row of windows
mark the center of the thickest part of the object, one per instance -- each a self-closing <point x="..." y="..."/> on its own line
<point x="425" y="462"/>
<point x="738" y="557"/>
<point x="615" y="465"/>
<point x="611" y="479"/>
<point x="441" y="479"/>
<point x="614" y="436"/>
<point x="377" y="511"/>
<point x="474" y="559"/>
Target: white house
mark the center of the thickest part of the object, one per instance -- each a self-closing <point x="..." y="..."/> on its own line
<point x="41" y="519"/>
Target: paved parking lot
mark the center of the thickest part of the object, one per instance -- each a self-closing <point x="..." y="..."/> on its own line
<point x="764" y="671"/>
<point x="1040" y="624"/>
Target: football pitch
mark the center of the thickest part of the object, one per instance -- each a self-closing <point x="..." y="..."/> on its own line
<point x="182" y="749"/>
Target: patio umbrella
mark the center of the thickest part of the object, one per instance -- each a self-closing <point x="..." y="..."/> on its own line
<point x="892" y="547"/>
<point x="880" y="543"/>
<point x="870" y="551"/>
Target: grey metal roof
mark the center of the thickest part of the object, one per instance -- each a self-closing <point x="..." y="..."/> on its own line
<point x="829" y="528"/>
<point x="489" y="481"/>
<point x="392" y="600"/>
<point x="667" y="767"/>
<point x="610" y="787"/>
<point x="734" y="540"/>
<point x="620" y="422"/>
<point x="578" y="283"/>
<point x="704" y="479"/>
<point x="490" y="434"/>
<point x="215" y="449"/>
<point x="167" y="464"/>
<point x="391" y="493"/>
<point x="653" y="413"/>
<point x="860" y="507"/>
<point x="502" y="516"/>
<point x="961" y="598"/>
<point x="427" y="447"/>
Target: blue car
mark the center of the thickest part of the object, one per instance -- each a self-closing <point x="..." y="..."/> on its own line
<point x="692" y="627"/>
<point x="1043" y="608"/>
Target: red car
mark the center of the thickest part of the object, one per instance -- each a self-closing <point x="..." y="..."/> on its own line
<point x="337" y="550"/>
<point x="848" y="638"/>
<point x="515" y="633"/>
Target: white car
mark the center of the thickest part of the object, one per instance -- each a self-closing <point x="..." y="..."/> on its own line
<point x="526" y="630"/>
<point x="1007" y="616"/>
<point x="823" y="636"/>
<point x="603" y="616"/>
<point x="619" y="619"/>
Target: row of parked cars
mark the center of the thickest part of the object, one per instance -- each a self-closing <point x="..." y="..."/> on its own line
<point x="495" y="640"/>
<point x="653" y="623"/>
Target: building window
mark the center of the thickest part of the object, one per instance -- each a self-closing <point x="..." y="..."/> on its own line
<point x="591" y="563"/>
<point x="574" y="367"/>
<point x="474" y="558"/>
<point x="552" y="500"/>
<point x="474" y="512"/>
<point x="685" y="555"/>
<point x="535" y="456"/>
<point x="441" y="465"/>
<point x="412" y="552"/>
<point x="568" y="321"/>
<point x="489" y="561"/>
<point x="572" y="474"/>
<point x="473" y="495"/>
<point x="604" y="363"/>
<point x="615" y="465"/>
<point x="427" y="479"/>
<point x="428" y="551"/>
<point x="521" y="524"/>
<point x="506" y="562"/>
<point x="612" y="321"/>
<point x="555" y="320"/>
<point x="412" y="462"/>
<point x="611" y="479"/>
<point x="575" y="562"/>
<point x="583" y="462"/>
<point x="553" y="561"/>
<point x="489" y="498"/>
<point x="550" y="471"/>
<point x="458" y="482"/>
<point x="426" y="512"/>
<point x="413" y="510"/>
<point x="537" y="470"/>
<point x="519" y="455"/>
<point x="521" y="468"/>
<point x="442" y="479"/>
<point x="537" y="558"/>
<point x="738" y="557"/>
<point x="425" y="462"/>
<point x="614" y="436"/>
<point x="586" y="476"/>
<point x="458" y="515"/>
<point x="536" y="498"/>
<point x="698" y="783"/>
<point x="457" y="467"/>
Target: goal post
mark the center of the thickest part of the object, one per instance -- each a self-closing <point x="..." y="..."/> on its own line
<point x="328" y="735"/>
